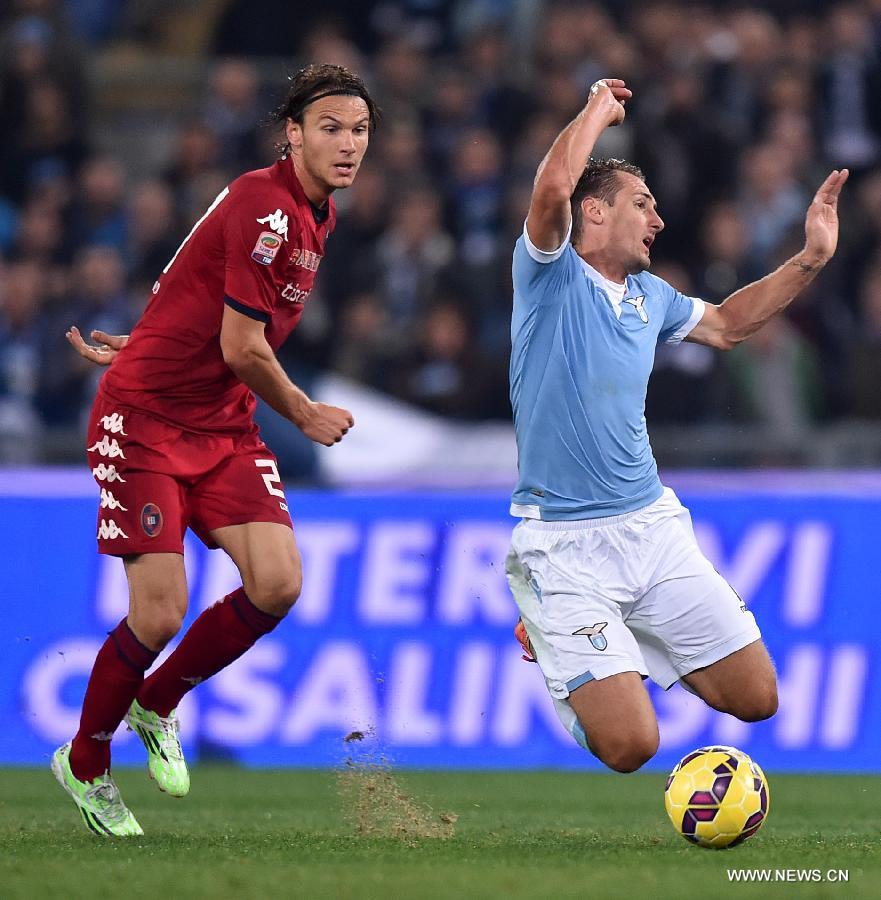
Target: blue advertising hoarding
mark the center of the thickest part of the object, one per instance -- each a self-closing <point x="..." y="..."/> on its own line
<point x="404" y="629"/>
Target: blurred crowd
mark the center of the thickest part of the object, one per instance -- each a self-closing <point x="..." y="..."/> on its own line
<point x="738" y="114"/>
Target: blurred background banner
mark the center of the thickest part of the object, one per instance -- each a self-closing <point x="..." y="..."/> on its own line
<point x="404" y="629"/>
<point x="121" y="122"/>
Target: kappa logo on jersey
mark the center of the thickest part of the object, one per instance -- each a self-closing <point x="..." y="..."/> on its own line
<point x="151" y="519"/>
<point x="114" y="423"/>
<point x="595" y="633"/>
<point x="638" y="303"/>
<point x="306" y="259"/>
<point x="277" y="221"/>
<point x="108" y="530"/>
<point x="106" y="447"/>
<point x="266" y="248"/>
<point x="108" y="501"/>
<point x="107" y="473"/>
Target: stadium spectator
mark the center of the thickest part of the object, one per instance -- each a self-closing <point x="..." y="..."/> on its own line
<point x="232" y="114"/>
<point x="777" y="386"/>
<point x="849" y="85"/>
<point x="98" y="211"/>
<point x="686" y="384"/>
<point x="22" y="295"/>
<point x="363" y="349"/>
<point x="46" y="145"/>
<point x="446" y="372"/>
<point x="352" y="266"/>
<point x="40" y="235"/>
<point x="864" y="357"/>
<point x="771" y="200"/>
<point x="197" y="154"/>
<point x="476" y="194"/>
<point x="99" y="300"/>
<point x="414" y="255"/>
<point x="151" y="229"/>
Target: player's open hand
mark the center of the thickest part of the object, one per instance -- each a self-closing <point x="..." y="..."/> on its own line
<point x="106" y="350"/>
<point x="821" y="223"/>
<point x="608" y="96"/>
<point x="326" y="424"/>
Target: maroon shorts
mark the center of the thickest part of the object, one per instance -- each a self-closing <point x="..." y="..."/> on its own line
<point x="157" y="480"/>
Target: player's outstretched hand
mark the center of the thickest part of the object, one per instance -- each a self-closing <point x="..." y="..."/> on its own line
<point x="326" y="424"/>
<point x="608" y="96"/>
<point x="108" y="345"/>
<point x="821" y="222"/>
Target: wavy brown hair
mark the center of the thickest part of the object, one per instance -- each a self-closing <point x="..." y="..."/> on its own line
<point x="313" y="81"/>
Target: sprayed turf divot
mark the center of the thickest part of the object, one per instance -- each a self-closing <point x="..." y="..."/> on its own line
<point x="376" y="804"/>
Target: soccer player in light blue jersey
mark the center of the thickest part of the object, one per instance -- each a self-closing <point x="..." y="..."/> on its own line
<point x="611" y="585"/>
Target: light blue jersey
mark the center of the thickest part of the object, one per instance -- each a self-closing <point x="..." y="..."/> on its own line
<point x="580" y="364"/>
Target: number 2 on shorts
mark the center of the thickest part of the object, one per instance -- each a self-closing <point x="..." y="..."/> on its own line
<point x="270" y="478"/>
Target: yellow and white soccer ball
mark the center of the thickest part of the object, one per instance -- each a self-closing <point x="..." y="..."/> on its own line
<point x="717" y="797"/>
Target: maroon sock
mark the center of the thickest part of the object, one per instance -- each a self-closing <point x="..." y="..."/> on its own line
<point x="116" y="676"/>
<point x="220" y="635"/>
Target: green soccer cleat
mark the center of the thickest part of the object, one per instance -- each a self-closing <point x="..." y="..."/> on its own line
<point x="98" y="801"/>
<point x="160" y="736"/>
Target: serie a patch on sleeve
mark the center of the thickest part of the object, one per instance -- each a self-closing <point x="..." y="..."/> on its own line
<point x="266" y="248"/>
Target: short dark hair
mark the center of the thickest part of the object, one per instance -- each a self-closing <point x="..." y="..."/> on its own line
<point x="313" y="81"/>
<point x="599" y="179"/>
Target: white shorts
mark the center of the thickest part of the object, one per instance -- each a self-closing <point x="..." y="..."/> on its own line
<point x="628" y="593"/>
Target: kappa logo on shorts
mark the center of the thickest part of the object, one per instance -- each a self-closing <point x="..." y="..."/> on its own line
<point x="108" y="501"/>
<point x="107" y="473"/>
<point x="151" y="519"/>
<point x="114" y="423"/>
<point x="108" y="530"/>
<point x="107" y="448"/>
<point x="595" y="633"/>
<point x="266" y="248"/>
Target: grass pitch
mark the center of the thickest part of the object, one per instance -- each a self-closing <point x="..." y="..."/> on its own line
<point x="268" y="834"/>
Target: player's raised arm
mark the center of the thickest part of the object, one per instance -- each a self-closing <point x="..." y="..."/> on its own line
<point x="746" y="310"/>
<point x="548" y="221"/>
<point x="247" y="352"/>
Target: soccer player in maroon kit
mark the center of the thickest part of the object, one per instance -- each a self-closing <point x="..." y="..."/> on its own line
<point x="172" y="441"/>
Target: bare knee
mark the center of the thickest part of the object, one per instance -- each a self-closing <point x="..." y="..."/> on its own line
<point x="154" y="628"/>
<point x="757" y="705"/>
<point x="157" y="596"/>
<point x="277" y="594"/>
<point x="626" y="752"/>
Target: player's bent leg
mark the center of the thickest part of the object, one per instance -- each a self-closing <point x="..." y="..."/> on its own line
<point x="266" y="555"/>
<point x="130" y="649"/>
<point x="157" y="606"/>
<point x="743" y="684"/>
<point x="157" y="596"/>
<point x="617" y="717"/>
<point x="268" y="560"/>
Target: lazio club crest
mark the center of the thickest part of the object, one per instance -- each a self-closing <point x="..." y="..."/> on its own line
<point x="638" y="303"/>
<point x="595" y="633"/>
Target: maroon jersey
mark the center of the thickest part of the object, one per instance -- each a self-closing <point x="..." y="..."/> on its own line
<point x="257" y="249"/>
